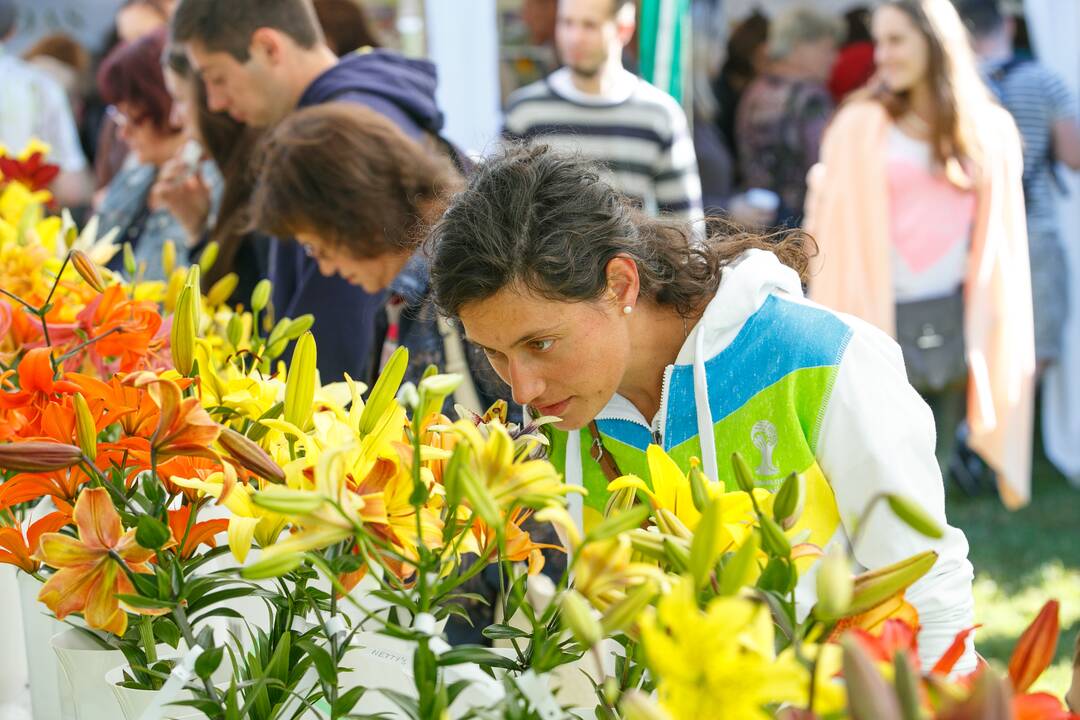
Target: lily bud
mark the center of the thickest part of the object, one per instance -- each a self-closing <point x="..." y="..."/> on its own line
<point x="38" y="456"/>
<point x="407" y="396"/>
<point x="222" y="290"/>
<point x="906" y="681"/>
<point x="699" y="493"/>
<point x="915" y="516"/>
<point x="385" y="390"/>
<point x="129" y="260"/>
<point x="678" y="555"/>
<point x="260" y="296"/>
<point x="647" y="543"/>
<point x="670" y="524"/>
<point x="87" y="270"/>
<point x="835" y="585"/>
<point x="578" y="618"/>
<point x="636" y="705"/>
<point x="790" y="501"/>
<point x="705" y="546"/>
<point x="288" y="501"/>
<point x="194" y="281"/>
<point x="874" y="588"/>
<point x="85" y="428"/>
<point x="250" y="456"/>
<point x="183" y="332"/>
<point x="625" y="612"/>
<point x="300" y="382"/>
<point x="738" y="568"/>
<point x="773" y="538"/>
<point x="869" y="696"/>
<point x="1035" y="649"/>
<point x="234" y="331"/>
<point x="209" y="256"/>
<point x="299" y="326"/>
<point x="743" y="477"/>
<point x="168" y="258"/>
<point x="273" y="566"/>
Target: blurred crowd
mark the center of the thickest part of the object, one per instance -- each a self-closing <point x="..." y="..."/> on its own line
<point x="917" y="141"/>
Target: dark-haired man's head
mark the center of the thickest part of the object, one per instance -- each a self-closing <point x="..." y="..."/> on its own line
<point x="991" y="30"/>
<point x="255" y="57"/>
<point x="8" y="17"/>
<point x="590" y="34"/>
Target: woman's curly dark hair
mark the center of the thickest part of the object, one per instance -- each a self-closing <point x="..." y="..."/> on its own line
<point x="547" y="222"/>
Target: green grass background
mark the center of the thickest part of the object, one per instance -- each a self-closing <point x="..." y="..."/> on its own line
<point x="1022" y="559"/>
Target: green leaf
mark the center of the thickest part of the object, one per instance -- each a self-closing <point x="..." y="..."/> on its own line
<point x="475" y="654"/>
<point x="347" y="701"/>
<point x="324" y="664"/>
<point x="166" y="632"/>
<point x="738" y="566"/>
<point x="386" y="387"/>
<point x="208" y="662"/>
<point x="151" y="533"/>
<point x="779" y="576"/>
<point x="503" y="632"/>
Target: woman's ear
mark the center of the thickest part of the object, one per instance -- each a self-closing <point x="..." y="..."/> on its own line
<point x="623" y="282"/>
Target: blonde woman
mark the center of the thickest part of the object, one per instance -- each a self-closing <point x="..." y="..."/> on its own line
<point x="917" y="206"/>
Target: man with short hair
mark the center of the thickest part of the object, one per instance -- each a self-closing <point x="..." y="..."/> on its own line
<point x="34" y="106"/>
<point x="1046" y="115"/>
<point x="594" y="106"/>
<point x="262" y="59"/>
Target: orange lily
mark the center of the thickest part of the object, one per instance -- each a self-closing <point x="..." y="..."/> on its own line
<point x="92" y="569"/>
<point x="1040" y="706"/>
<point x="38" y="388"/>
<point x="17" y="548"/>
<point x="874" y="620"/>
<point x="1035" y="649"/>
<point x="203" y="533"/>
<point x="518" y="543"/>
<point x="184" y="427"/>
<point x="895" y="636"/>
<point x="127" y="328"/>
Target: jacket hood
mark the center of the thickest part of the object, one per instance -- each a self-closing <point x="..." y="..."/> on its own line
<point x="407" y="83"/>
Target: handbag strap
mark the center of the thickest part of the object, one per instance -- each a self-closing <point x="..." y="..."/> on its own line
<point x="603" y="458"/>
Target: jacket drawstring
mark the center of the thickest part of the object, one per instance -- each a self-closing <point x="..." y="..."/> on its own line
<point x="704" y="412"/>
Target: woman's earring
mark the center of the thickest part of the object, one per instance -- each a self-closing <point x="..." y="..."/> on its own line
<point x="627" y="309"/>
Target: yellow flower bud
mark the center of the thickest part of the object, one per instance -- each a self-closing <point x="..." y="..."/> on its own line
<point x="168" y="258"/>
<point x="300" y="383"/>
<point x="183" y="332"/>
<point x="835" y="585"/>
<point x="129" y="260"/>
<point x="85" y="428"/>
<point x="578" y="618"/>
<point x="260" y="296"/>
<point x="385" y="390"/>
<point x="875" y="587"/>
<point x="222" y="290"/>
<point x="209" y="256"/>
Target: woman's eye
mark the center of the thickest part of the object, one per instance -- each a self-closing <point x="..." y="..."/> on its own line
<point x="542" y="345"/>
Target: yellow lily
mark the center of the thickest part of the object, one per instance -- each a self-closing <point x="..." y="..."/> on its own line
<point x="720" y="657"/>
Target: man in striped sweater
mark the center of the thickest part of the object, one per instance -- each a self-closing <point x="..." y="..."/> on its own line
<point x="594" y="106"/>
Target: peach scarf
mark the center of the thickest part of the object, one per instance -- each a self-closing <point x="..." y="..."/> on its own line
<point x="847" y="213"/>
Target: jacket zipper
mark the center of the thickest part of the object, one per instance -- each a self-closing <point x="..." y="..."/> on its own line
<point x="656" y="428"/>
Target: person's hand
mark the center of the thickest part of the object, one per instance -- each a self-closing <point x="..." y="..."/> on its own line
<point x="751" y="216"/>
<point x="182" y="192"/>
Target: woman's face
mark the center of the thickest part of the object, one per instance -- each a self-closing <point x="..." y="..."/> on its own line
<point x="372" y="274"/>
<point x="564" y="359"/>
<point x="150" y="144"/>
<point x="901" y="51"/>
<point x="136" y="21"/>
<point x="185" y="103"/>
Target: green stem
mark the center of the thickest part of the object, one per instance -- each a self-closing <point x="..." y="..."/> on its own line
<point x="82" y="346"/>
<point x="19" y="300"/>
<point x="181" y="618"/>
<point x="146" y="634"/>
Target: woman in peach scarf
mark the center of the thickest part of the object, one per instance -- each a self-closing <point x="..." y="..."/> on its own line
<point x="917" y="206"/>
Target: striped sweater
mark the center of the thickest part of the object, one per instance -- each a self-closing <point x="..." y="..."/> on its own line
<point x="636" y="132"/>
<point x="794" y="387"/>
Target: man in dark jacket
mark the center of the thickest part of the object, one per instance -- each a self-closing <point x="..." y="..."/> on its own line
<point x="262" y="59"/>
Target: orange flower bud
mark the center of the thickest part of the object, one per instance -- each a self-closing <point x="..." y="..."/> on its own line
<point x="38" y="456"/>
<point x="250" y="456"/>
<point x="87" y="270"/>
<point x="1035" y="649"/>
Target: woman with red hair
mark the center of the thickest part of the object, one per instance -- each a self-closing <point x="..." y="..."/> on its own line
<point x="132" y="82"/>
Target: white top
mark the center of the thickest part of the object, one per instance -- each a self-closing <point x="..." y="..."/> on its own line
<point x="34" y="106"/>
<point x="930" y="222"/>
